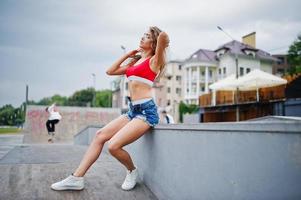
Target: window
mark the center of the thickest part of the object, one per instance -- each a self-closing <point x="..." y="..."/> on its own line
<point x="169" y="78"/>
<point x="178" y="78"/>
<point x="210" y="73"/>
<point x="203" y="73"/>
<point x="224" y="70"/>
<point x="250" y="53"/>
<point x="168" y="102"/>
<point x="219" y="71"/>
<point x="241" y="71"/>
<point x="280" y="60"/>
<point x="178" y="90"/>
<point x="248" y="70"/>
<point x="180" y="67"/>
<point x="203" y="89"/>
<point x="168" y="90"/>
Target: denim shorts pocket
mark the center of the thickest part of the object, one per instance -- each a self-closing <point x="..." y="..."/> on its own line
<point x="151" y="114"/>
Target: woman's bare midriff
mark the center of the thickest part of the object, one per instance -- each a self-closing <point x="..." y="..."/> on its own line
<point x="139" y="90"/>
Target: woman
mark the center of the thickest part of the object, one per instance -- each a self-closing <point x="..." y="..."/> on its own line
<point x="142" y="114"/>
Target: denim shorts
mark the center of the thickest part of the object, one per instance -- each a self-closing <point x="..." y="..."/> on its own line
<point x="146" y="111"/>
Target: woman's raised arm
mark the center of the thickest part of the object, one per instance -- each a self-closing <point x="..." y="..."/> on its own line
<point x="159" y="58"/>
<point x="116" y="69"/>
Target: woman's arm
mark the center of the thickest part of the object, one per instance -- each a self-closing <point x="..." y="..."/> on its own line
<point x="51" y="108"/>
<point x="116" y="69"/>
<point x="159" y="58"/>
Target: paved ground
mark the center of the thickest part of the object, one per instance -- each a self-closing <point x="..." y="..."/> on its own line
<point x="27" y="171"/>
<point x="8" y="142"/>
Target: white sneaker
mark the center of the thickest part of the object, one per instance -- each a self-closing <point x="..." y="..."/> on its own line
<point x="130" y="179"/>
<point x="70" y="183"/>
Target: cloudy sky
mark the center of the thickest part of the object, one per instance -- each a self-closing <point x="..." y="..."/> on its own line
<point x="54" y="46"/>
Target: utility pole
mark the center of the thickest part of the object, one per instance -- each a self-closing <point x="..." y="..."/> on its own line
<point x="26" y="99"/>
<point x="236" y="70"/>
<point x="94" y="87"/>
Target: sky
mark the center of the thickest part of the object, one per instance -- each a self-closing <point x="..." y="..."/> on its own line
<point x="54" y="46"/>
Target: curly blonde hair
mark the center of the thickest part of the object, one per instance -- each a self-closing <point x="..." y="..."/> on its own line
<point x="155" y="31"/>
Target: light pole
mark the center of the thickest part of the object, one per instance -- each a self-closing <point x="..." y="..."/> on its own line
<point x="236" y="72"/>
<point x="94" y="92"/>
<point x="124" y="101"/>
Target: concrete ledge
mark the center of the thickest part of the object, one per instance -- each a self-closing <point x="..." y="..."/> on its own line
<point x="277" y="118"/>
<point x="245" y="160"/>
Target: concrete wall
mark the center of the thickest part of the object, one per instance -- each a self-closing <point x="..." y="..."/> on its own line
<point x="245" y="160"/>
<point x="293" y="107"/>
<point x="73" y="120"/>
<point x="266" y="66"/>
<point x="191" y="118"/>
<point x="85" y="136"/>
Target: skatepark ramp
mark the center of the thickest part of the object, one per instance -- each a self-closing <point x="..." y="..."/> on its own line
<point x="73" y="120"/>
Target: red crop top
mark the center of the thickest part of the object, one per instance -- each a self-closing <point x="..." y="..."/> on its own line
<point x="141" y="72"/>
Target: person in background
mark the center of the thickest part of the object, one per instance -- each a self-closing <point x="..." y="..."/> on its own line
<point x="53" y="119"/>
<point x="166" y="118"/>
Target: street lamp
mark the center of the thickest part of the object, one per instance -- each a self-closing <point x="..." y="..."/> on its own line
<point x="236" y="63"/>
<point x="124" y="100"/>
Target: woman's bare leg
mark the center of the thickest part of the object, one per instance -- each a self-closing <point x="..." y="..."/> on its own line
<point x="94" y="150"/>
<point x="126" y="135"/>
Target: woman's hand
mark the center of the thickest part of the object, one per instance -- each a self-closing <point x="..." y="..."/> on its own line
<point x="132" y="53"/>
<point x="164" y="39"/>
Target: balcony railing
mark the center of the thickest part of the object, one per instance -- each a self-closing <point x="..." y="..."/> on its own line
<point x="228" y="97"/>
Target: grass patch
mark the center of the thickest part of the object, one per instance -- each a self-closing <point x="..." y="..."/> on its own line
<point x="9" y="130"/>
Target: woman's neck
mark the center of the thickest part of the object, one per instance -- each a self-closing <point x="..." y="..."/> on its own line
<point x="146" y="54"/>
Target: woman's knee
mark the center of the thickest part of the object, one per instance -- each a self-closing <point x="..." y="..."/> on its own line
<point x="113" y="147"/>
<point x="101" y="136"/>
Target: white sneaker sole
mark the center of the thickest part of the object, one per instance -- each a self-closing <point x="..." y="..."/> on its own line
<point x="127" y="189"/>
<point x="67" y="188"/>
<point x="130" y="188"/>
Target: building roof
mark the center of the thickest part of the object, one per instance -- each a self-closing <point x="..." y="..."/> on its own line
<point x="203" y="55"/>
<point x="235" y="47"/>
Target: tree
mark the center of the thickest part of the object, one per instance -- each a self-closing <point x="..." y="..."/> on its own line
<point x="294" y="56"/>
<point x="11" y="116"/>
<point x="59" y="100"/>
<point x="81" y="98"/>
<point x="187" y="108"/>
<point x="103" y="98"/>
<point x="45" y="101"/>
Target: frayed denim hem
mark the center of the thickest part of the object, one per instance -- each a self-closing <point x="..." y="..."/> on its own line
<point x="127" y="116"/>
<point x="145" y="120"/>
